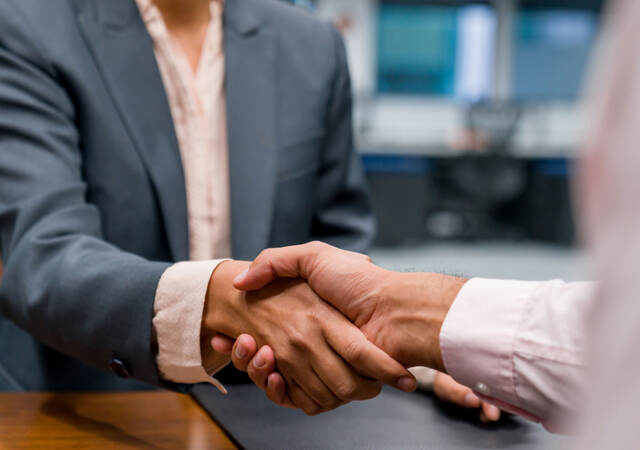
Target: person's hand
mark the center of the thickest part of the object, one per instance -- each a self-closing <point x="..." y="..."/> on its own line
<point x="323" y="358"/>
<point x="448" y="390"/>
<point x="401" y="313"/>
<point x="261" y="367"/>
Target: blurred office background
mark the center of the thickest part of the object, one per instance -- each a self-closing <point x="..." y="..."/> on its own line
<point x="468" y="119"/>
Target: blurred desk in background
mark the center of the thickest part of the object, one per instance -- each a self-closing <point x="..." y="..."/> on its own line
<point x="152" y="419"/>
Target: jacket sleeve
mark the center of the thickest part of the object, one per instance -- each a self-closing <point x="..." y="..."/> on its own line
<point x="62" y="281"/>
<point x="343" y="213"/>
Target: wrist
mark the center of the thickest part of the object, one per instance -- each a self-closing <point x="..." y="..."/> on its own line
<point x="222" y="309"/>
<point x="421" y="302"/>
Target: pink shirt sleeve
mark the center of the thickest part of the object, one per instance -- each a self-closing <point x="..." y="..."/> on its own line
<point x="177" y="316"/>
<point x="520" y="345"/>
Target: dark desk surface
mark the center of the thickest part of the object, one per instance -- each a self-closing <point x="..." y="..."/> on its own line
<point x="393" y="420"/>
<point x="150" y="419"/>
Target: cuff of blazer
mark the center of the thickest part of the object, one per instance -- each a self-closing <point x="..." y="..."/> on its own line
<point x="177" y="319"/>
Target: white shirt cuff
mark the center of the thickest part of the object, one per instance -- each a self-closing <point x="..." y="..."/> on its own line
<point x="478" y="335"/>
<point x="177" y="319"/>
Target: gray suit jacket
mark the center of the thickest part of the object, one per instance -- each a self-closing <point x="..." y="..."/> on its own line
<point x="92" y="195"/>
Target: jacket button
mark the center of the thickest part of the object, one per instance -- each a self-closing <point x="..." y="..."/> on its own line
<point x="119" y="368"/>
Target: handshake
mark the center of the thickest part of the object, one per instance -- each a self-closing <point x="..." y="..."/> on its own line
<point x="330" y="326"/>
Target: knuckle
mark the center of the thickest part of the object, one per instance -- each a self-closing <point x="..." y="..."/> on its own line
<point x="354" y="352"/>
<point x="318" y="246"/>
<point x="347" y="390"/>
<point x="317" y="315"/>
<point x="298" y="340"/>
<point x="264" y="255"/>
<point x="328" y="403"/>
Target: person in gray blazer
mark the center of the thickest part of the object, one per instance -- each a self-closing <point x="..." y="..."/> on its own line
<point x="93" y="198"/>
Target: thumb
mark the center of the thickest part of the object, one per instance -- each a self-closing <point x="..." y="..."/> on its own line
<point x="274" y="263"/>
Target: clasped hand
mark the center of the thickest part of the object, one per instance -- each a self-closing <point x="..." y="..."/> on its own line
<point x="325" y="360"/>
<point x="324" y="326"/>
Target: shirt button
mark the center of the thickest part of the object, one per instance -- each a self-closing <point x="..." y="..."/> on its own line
<point x="119" y="368"/>
<point x="483" y="389"/>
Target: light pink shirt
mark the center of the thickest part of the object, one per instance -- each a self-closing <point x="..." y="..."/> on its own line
<point x="560" y="352"/>
<point x="520" y="345"/>
<point x="198" y="107"/>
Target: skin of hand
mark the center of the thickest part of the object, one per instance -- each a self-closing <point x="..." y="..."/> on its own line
<point x="401" y="313"/>
<point x="325" y="360"/>
<point x="448" y="390"/>
<point x="260" y="365"/>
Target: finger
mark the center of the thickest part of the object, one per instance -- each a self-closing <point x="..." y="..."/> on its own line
<point x="318" y="392"/>
<point x="341" y="379"/>
<point x="262" y="372"/>
<point x="261" y="366"/>
<point x="243" y="350"/>
<point x="302" y="401"/>
<point x="447" y="389"/>
<point x="490" y="412"/>
<point x="277" y="391"/>
<point x="222" y="344"/>
<point x="367" y="359"/>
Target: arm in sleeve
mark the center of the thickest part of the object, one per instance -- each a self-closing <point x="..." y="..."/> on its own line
<point x="177" y="319"/>
<point x="343" y="213"/>
<point x="62" y="281"/>
<point x="520" y="345"/>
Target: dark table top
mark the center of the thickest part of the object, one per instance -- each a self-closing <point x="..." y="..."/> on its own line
<point x="390" y="421"/>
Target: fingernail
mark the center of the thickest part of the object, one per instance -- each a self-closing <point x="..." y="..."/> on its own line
<point x="471" y="400"/>
<point x="406" y="384"/>
<point x="493" y="412"/>
<point x="241" y="352"/>
<point x="241" y="276"/>
<point x="259" y="361"/>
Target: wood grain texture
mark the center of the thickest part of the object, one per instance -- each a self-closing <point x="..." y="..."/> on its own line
<point x="154" y="419"/>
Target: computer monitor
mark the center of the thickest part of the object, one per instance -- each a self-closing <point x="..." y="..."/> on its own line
<point x="435" y="50"/>
<point x="552" y="52"/>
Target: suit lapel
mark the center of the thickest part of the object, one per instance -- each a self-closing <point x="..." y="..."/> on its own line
<point x="124" y="54"/>
<point x="252" y="112"/>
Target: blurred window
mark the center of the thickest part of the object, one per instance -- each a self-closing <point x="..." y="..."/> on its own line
<point x="552" y="49"/>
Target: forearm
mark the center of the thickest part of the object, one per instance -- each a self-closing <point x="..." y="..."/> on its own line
<point x="84" y="298"/>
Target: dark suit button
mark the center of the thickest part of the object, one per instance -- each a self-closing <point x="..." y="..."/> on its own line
<point x="119" y="368"/>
